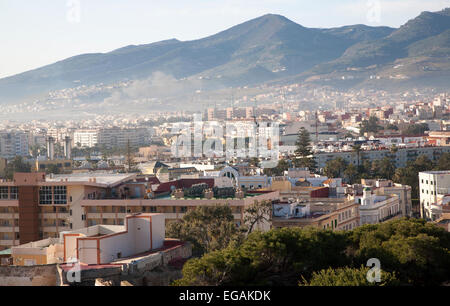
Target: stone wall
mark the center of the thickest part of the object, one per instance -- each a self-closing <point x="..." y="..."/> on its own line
<point x="44" y="275"/>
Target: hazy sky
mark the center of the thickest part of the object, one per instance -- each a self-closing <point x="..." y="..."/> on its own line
<point x="39" y="32"/>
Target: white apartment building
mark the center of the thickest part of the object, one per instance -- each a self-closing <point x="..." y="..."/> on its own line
<point x="431" y="185"/>
<point x="401" y="157"/>
<point x="85" y="138"/>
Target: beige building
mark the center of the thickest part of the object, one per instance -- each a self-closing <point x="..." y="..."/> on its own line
<point x="42" y="252"/>
<point x="333" y="216"/>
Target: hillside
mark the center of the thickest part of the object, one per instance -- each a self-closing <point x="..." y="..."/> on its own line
<point x="262" y="49"/>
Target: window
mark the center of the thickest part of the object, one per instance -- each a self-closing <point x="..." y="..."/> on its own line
<point x="183" y="209"/>
<point x="4" y="193"/>
<point x="152" y="209"/>
<point x="30" y="262"/>
<point x="45" y="195"/>
<point x="60" y="194"/>
<point x="14" y="193"/>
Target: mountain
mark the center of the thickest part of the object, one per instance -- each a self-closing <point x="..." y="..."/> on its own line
<point x="270" y="48"/>
<point x="266" y="48"/>
<point x="418" y="53"/>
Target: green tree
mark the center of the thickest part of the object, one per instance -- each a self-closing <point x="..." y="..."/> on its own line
<point x="443" y="162"/>
<point x="335" y="168"/>
<point x="416" y="129"/>
<point x="276" y="257"/>
<point x="411" y="252"/>
<point x="348" y="277"/>
<point x="370" y="126"/>
<point x="416" y="250"/>
<point x="351" y="174"/>
<point x="392" y="127"/>
<point x="16" y="165"/>
<point x="283" y="165"/>
<point x="52" y="168"/>
<point x="385" y="168"/>
<point x="357" y="150"/>
<point x="303" y="154"/>
<point x="208" y="228"/>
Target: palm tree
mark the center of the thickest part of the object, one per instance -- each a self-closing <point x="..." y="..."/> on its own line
<point x="357" y="150"/>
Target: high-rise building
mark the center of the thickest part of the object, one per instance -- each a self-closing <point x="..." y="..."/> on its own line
<point x="14" y="143"/>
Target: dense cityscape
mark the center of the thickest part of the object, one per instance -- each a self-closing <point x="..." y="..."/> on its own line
<point x="283" y="183"/>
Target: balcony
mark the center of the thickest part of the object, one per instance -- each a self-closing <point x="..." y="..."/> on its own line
<point x="8" y="229"/>
<point x="9" y="242"/>
<point x="8" y="215"/>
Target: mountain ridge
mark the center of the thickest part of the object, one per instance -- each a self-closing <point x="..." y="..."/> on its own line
<point x="264" y="49"/>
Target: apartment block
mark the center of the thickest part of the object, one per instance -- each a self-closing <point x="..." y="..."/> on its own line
<point x="433" y="184"/>
<point x="34" y="206"/>
<point x="14" y="143"/>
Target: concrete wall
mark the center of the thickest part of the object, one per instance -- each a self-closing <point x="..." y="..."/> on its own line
<point x="28" y="276"/>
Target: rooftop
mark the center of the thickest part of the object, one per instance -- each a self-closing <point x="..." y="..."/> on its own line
<point x="107" y="179"/>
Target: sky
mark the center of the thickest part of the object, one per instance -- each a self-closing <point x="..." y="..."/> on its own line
<point x="40" y="32"/>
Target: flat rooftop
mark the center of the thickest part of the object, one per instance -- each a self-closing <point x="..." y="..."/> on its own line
<point x="436" y="172"/>
<point x="108" y="179"/>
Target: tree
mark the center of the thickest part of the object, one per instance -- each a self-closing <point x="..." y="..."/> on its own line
<point x="385" y="168"/>
<point x="370" y="126"/>
<point x="348" y="277"/>
<point x="282" y="166"/>
<point x="276" y="257"/>
<point x="392" y="127"/>
<point x="416" y="250"/>
<point x="416" y="129"/>
<point x="357" y="150"/>
<point x="443" y="162"/>
<point x="52" y="168"/>
<point x="208" y="228"/>
<point x="303" y="153"/>
<point x="257" y="213"/>
<point x="335" y="168"/>
<point x="351" y="174"/>
<point x="411" y="252"/>
<point x="16" y="165"/>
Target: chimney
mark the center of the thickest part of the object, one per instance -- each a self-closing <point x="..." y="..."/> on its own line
<point x="68" y="147"/>
<point x="50" y="148"/>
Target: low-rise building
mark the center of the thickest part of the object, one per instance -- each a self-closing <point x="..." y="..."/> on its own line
<point x="324" y="215"/>
<point x="376" y="209"/>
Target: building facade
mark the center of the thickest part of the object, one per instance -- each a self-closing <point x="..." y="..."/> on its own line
<point x="431" y="185"/>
